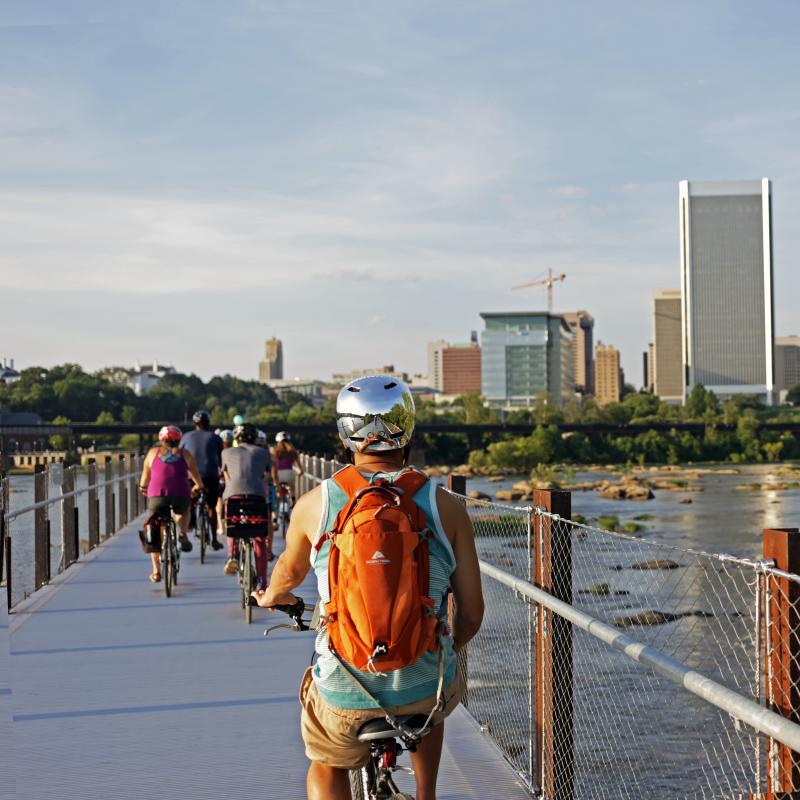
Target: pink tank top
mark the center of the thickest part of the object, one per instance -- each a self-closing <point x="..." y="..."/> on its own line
<point x="169" y="476"/>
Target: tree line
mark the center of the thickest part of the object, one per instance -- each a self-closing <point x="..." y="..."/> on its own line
<point x="67" y="393"/>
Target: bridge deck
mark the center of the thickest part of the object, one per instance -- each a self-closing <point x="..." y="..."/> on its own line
<point x="119" y="692"/>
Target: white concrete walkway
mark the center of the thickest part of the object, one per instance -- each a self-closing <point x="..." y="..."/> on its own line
<point x="122" y="694"/>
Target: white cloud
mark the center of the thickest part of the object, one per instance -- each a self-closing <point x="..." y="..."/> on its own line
<point x="571" y="192"/>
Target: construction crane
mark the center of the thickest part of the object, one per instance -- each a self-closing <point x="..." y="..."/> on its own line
<point x="548" y="282"/>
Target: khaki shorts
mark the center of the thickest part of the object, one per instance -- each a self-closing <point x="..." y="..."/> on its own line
<point x="330" y="734"/>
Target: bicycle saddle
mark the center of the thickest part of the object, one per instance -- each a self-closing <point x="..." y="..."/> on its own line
<point x="377" y="729"/>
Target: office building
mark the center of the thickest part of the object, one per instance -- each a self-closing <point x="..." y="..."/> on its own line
<point x="787" y="364"/>
<point x="667" y="363"/>
<point x="726" y="285"/>
<point x="607" y="375"/>
<point x="455" y="369"/>
<point x="435" y="376"/>
<point x="581" y="324"/>
<point x="524" y="354"/>
<point x="270" y="368"/>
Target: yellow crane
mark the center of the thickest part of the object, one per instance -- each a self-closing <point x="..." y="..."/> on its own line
<point x="548" y="282"/>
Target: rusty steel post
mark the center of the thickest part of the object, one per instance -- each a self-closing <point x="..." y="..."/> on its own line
<point x="110" y="497"/>
<point x="553" y="695"/>
<point x="41" y="529"/>
<point x="69" y="533"/>
<point x="93" y="505"/>
<point x="782" y="639"/>
<point x="122" y="492"/>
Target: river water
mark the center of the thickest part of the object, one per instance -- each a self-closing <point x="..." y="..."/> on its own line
<point x="635" y="735"/>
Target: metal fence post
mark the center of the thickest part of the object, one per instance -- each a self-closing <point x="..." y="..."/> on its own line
<point x="69" y="538"/>
<point x="133" y="482"/>
<point x="5" y="533"/>
<point x="93" y="505"/>
<point x="41" y="531"/>
<point x="458" y="485"/>
<point x="782" y="639"/>
<point x="122" y="492"/>
<point x="552" y="545"/>
<point x="533" y="739"/>
<point x="110" y="497"/>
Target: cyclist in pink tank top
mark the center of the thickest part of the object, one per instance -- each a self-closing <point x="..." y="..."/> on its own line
<point x="167" y="475"/>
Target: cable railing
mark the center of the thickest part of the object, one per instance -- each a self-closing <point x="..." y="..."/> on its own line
<point x="48" y="519"/>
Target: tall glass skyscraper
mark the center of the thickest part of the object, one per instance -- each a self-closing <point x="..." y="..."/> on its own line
<point x="726" y="286"/>
<point x="524" y="354"/>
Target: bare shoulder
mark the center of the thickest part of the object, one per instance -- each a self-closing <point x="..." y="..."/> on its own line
<point x="309" y="504"/>
<point x="306" y="513"/>
<point x="452" y="512"/>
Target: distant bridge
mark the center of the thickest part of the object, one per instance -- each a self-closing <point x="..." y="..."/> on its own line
<point x="632" y="429"/>
<point x="15" y="438"/>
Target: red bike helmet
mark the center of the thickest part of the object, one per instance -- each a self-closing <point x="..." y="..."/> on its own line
<point x="169" y="433"/>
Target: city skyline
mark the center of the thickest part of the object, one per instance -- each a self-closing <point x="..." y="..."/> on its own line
<point x="435" y="155"/>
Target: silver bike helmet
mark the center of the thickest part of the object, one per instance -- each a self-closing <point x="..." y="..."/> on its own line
<point x="375" y="413"/>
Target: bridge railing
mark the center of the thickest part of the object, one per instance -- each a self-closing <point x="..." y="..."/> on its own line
<point x="51" y="518"/>
<point x="653" y="670"/>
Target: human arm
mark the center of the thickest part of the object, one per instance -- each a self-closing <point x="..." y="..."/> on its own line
<point x="191" y="465"/>
<point x="298" y="463"/>
<point x="465" y="581"/>
<point x="293" y="565"/>
<point x="144" y="480"/>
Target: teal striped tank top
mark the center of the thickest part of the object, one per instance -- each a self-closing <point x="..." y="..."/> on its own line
<point x="418" y="680"/>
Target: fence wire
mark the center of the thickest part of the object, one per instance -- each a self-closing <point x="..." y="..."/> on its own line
<point x="634" y="734"/>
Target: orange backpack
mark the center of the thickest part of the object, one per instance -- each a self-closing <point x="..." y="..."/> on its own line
<point x="380" y="617"/>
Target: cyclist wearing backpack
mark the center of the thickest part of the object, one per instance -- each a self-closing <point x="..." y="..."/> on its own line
<point x="387" y="546"/>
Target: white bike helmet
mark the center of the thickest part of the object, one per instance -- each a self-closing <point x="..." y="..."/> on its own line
<point x="375" y="413"/>
<point x="282" y="436"/>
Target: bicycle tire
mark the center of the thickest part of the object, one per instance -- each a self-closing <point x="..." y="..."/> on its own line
<point x="166" y="559"/>
<point x="176" y="555"/>
<point x="358" y="784"/>
<point x="203" y="534"/>
<point x="247" y="582"/>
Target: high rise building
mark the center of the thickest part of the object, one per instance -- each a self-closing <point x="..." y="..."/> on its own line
<point x="435" y="375"/>
<point x="787" y="363"/>
<point x="455" y="369"/>
<point x="667" y="364"/>
<point x="524" y="354"/>
<point x="726" y="284"/>
<point x="581" y="324"/>
<point x="608" y="375"/>
<point x="271" y="367"/>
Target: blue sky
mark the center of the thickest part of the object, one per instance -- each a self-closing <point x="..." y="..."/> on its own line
<point x="183" y="180"/>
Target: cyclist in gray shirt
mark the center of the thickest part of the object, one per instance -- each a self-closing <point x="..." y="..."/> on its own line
<point x="246" y="472"/>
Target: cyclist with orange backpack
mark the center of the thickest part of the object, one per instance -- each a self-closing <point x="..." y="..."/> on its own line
<point x="387" y="546"/>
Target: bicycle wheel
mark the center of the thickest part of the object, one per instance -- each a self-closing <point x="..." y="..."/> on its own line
<point x="358" y="784"/>
<point x="203" y="526"/>
<point x="248" y="581"/>
<point x="166" y="559"/>
<point x="176" y="555"/>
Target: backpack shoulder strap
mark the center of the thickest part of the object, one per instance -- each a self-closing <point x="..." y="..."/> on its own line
<point x="350" y="480"/>
<point x="411" y="481"/>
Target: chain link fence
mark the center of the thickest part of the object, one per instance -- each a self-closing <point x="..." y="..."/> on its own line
<point x="632" y="733"/>
<point x="51" y="518"/>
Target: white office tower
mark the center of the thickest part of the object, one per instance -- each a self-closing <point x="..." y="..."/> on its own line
<point x="726" y="284"/>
